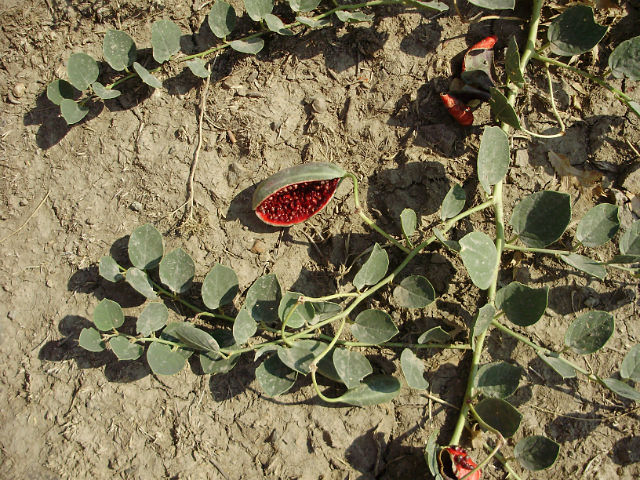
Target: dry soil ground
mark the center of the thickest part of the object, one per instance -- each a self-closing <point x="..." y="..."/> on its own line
<point x="364" y="96"/>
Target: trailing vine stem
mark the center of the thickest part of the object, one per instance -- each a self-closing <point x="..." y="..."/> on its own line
<point x="499" y="225"/>
<point x="624" y="98"/>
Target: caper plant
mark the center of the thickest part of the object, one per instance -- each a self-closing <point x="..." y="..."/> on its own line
<point x="294" y="335"/>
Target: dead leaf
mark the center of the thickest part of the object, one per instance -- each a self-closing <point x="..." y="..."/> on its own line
<point x="563" y="167"/>
<point x="606" y="4"/>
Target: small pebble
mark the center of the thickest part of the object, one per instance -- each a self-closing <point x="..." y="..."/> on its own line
<point x="11" y="315"/>
<point x="18" y="90"/>
<point x="319" y="105"/>
<point x="259" y="247"/>
<point x="23" y="203"/>
<point x="136" y="206"/>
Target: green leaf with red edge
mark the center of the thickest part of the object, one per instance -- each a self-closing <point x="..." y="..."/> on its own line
<point x="575" y="31"/>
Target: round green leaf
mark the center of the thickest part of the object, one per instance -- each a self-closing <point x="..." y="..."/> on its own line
<point x="512" y="63"/>
<point x="630" y="240"/>
<point x="90" y="339"/>
<point x="145" y="247"/>
<point x="82" y="70"/>
<point x="374" y="327"/>
<point x="193" y="337"/>
<point x="434" y="335"/>
<point x="146" y="76"/>
<point x="599" y="225"/>
<point x="453" y="202"/>
<point x="541" y="218"/>
<point x="351" y="366"/>
<point x="559" y="365"/>
<point x="630" y="368"/>
<point x="323" y="311"/>
<point x="480" y="258"/>
<point x="58" y="90"/>
<point x="222" y="19"/>
<point x="163" y="360"/>
<point x="494" y="4"/>
<point x="575" y="31"/>
<point x="500" y="415"/>
<point x="218" y="365"/>
<point x="585" y="264"/>
<point x="624" y="61"/>
<point x="108" y="315"/>
<point x="296" y="314"/>
<point x="220" y="286"/>
<point x="141" y="283"/>
<point x="153" y="318"/>
<point x="589" y="332"/>
<point x="118" y="49"/>
<point x="275" y="377"/>
<point x="258" y="9"/>
<point x="124" y="349"/>
<point x="374" y="390"/>
<point x="414" y="292"/>
<point x="263" y="299"/>
<point x="198" y="67"/>
<point x="103" y="92"/>
<point x="498" y="379"/>
<point x="483" y="320"/>
<point x="373" y="269"/>
<point x="250" y="46"/>
<point x="522" y="305"/>
<point x="244" y="327"/>
<point x="165" y="40"/>
<point x="408" y="222"/>
<point x="313" y="23"/>
<point x="177" y="270"/>
<point x="413" y="370"/>
<point x="109" y="269"/>
<point x="276" y="25"/>
<point x="303" y="5"/>
<point x="502" y="109"/>
<point x="622" y="389"/>
<point x="536" y="452"/>
<point x="72" y="111"/>
<point x="493" y="157"/>
<point x="300" y="355"/>
<point x="355" y="16"/>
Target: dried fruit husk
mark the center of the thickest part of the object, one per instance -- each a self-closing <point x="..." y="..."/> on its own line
<point x="295" y="194"/>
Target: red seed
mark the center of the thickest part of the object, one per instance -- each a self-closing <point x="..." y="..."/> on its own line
<point x="457" y="109"/>
<point x="297" y="202"/>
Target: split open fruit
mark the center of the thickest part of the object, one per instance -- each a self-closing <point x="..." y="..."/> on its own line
<point x="295" y="194"/>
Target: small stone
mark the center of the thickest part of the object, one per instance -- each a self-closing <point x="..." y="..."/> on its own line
<point x="319" y="105"/>
<point x="136" y="206"/>
<point x="632" y="181"/>
<point x="259" y="247"/>
<point x="18" y="89"/>
<point x="23" y="203"/>
<point x="12" y="315"/>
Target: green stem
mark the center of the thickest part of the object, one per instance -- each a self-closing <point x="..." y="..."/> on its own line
<point x="624" y="98"/>
<point x="500" y="238"/>
<point x="330" y="297"/>
<point x="448" y="225"/>
<point x="367" y="220"/>
<point x="511" y="246"/>
<point x="314" y="365"/>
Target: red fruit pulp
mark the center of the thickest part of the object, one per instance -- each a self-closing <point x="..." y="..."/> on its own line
<point x="297" y="202"/>
<point x="462" y="463"/>
<point x="457" y="109"/>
